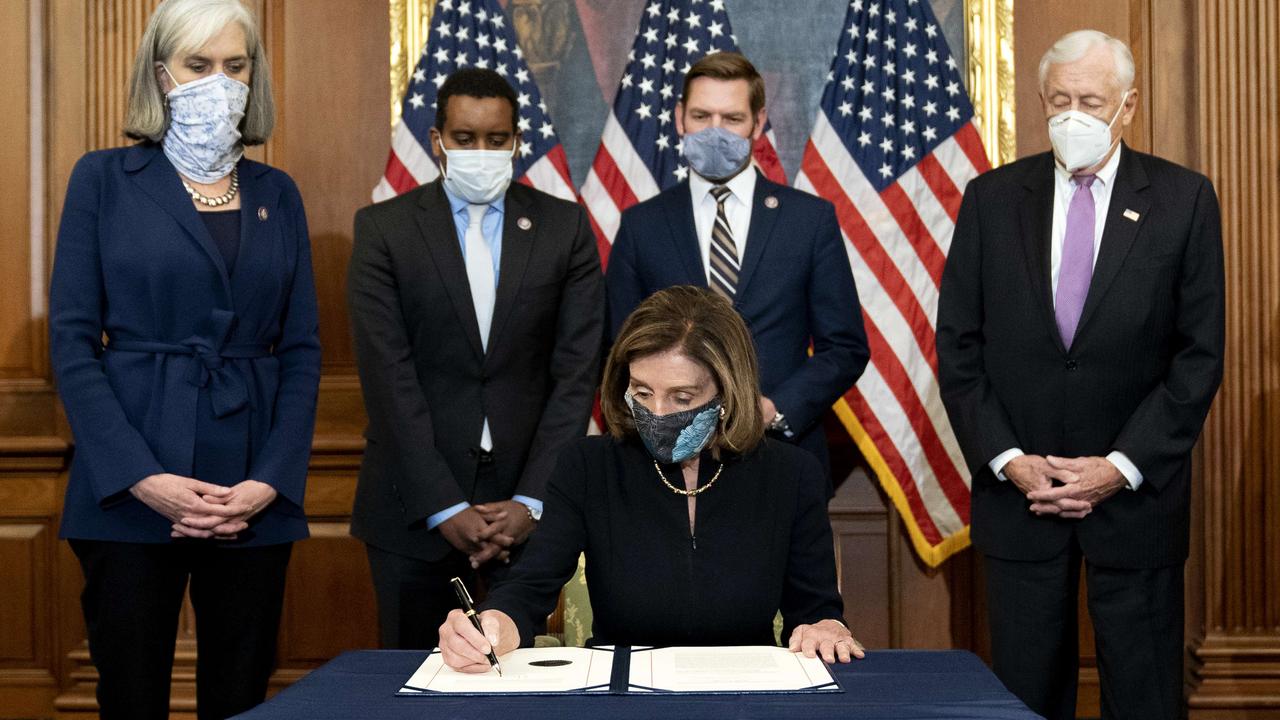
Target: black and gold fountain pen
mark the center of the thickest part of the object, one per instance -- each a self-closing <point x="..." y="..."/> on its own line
<point x="469" y="608"/>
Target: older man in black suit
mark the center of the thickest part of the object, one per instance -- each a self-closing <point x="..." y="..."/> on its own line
<point x="1080" y="342"/>
<point x="477" y="306"/>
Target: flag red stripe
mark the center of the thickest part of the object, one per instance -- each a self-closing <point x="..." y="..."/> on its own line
<point x="766" y="156"/>
<point x="935" y="176"/>
<point x="602" y="242"/>
<point x="561" y="163"/>
<point x="917" y="234"/>
<point x="969" y="140"/>
<point x="873" y="253"/>
<point x="893" y="460"/>
<point x="398" y="176"/>
<point x="612" y="179"/>
<point x="899" y="383"/>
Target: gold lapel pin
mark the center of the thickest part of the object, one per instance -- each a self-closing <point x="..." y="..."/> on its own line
<point x="263" y="214"/>
<point x="1131" y="215"/>
<point x="771" y="202"/>
<point x="524" y="223"/>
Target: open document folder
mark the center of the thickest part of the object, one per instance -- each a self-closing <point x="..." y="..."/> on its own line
<point x="627" y="670"/>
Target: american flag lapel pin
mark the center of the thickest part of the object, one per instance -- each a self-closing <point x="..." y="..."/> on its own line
<point x="1131" y="215"/>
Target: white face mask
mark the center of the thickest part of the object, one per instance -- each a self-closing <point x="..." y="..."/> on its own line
<point x="203" y="139"/>
<point x="478" y="176"/>
<point x="1080" y="140"/>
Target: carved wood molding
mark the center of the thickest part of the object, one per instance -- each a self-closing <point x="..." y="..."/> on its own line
<point x="1239" y="138"/>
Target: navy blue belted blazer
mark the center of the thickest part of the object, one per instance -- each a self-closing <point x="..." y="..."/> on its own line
<point x="164" y="362"/>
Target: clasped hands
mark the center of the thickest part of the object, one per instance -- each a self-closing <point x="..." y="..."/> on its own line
<point x="203" y="510"/>
<point x="465" y="649"/>
<point x="488" y="531"/>
<point x="1086" y="482"/>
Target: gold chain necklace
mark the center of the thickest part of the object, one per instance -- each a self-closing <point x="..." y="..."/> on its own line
<point x="215" y="200"/>
<point x="695" y="491"/>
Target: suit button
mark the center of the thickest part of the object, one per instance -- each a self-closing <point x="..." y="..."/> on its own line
<point x="1071" y="364"/>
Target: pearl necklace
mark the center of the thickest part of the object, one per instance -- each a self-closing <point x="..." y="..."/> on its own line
<point x="695" y="491"/>
<point x="215" y="201"/>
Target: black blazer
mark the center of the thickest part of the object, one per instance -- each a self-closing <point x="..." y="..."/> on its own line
<point x="1139" y="378"/>
<point x="427" y="383"/>
<point x="795" y="288"/>
<point x="762" y="543"/>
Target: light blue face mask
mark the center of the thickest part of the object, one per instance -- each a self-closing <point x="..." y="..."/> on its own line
<point x="203" y="138"/>
<point x="715" y="153"/>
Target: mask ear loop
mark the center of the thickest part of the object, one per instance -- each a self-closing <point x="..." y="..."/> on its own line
<point x="164" y="96"/>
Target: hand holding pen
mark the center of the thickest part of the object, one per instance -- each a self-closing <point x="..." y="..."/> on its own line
<point x="464" y="642"/>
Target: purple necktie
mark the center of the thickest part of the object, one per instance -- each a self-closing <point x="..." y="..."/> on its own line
<point x="1076" y="269"/>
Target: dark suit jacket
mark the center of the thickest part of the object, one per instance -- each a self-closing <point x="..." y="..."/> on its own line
<point x="1139" y="377"/>
<point x="428" y="385"/>
<point x="795" y="287"/>
<point x="762" y="544"/>
<point x="201" y="369"/>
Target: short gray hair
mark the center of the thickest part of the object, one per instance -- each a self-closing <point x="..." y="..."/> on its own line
<point x="183" y="26"/>
<point x="1075" y="45"/>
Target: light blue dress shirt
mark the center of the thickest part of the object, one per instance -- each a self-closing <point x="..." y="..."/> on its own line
<point x="491" y="228"/>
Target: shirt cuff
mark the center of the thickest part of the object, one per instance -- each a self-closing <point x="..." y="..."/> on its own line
<point x="434" y="520"/>
<point x="533" y="503"/>
<point x="997" y="465"/>
<point x="1126" y="468"/>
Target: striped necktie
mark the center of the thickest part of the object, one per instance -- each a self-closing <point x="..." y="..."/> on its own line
<point x="723" y="269"/>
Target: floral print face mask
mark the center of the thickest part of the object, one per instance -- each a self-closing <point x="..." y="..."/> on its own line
<point x="203" y="139"/>
<point x="678" y="436"/>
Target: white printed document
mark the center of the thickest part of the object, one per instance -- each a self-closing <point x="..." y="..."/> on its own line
<point x="627" y="670"/>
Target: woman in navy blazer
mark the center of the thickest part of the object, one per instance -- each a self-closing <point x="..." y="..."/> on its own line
<point x="183" y="331"/>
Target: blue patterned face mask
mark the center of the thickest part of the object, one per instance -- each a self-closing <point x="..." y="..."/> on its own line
<point x="203" y="139"/>
<point x="716" y="153"/>
<point x="678" y="436"/>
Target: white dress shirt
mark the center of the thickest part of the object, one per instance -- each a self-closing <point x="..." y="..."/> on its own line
<point x="1063" y="188"/>
<point x="737" y="210"/>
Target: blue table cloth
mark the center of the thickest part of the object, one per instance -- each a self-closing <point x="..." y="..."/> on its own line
<point x="887" y="684"/>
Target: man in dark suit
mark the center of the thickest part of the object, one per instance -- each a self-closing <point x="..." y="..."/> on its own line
<point x="477" y="310"/>
<point x="1080" y="341"/>
<point x="776" y="253"/>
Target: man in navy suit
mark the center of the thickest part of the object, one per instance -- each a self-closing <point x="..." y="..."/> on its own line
<point x="775" y="252"/>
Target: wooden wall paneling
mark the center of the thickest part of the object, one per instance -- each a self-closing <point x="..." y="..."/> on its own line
<point x="1239" y="138"/>
<point x="17" y="350"/>
<point x="27" y="679"/>
<point x="860" y="526"/>
<point x="333" y="111"/>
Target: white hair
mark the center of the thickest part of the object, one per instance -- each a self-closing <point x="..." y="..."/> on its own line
<point x="1075" y="45"/>
<point x="184" y="26"/>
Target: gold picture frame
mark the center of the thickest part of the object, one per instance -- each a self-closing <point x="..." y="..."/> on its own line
<point x="988" y="37"/>
<point x="410" y="25"/>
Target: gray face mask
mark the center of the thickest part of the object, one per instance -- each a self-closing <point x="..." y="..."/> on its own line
<point x="715" y="153"/>
<point x="678" y="436"/>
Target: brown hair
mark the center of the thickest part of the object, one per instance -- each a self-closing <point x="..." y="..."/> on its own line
<point x="703" y="326"/>
<point x="727" y="66"/>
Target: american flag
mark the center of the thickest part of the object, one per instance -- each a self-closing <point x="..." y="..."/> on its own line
<point x="472" y="33"/>
<point x="893" y="146"/>
<point x="639" y="154"/>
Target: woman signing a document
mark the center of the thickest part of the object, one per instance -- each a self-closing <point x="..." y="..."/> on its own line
<point x="697" y="529"/>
